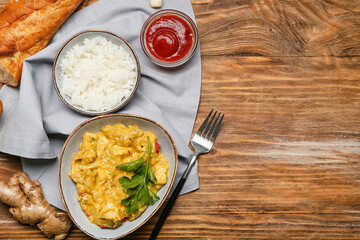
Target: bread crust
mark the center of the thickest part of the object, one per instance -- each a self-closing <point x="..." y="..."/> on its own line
<point x="14" y="10"/>
<point x="26" y="27"/>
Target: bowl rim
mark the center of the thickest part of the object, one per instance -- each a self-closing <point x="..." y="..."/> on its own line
<point x="108" y="116"/>
<point x="191" y="24"/>
<point x="96" y="113"/>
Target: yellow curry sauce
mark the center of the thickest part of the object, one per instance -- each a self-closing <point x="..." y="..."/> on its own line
<point x="95" y="172"/>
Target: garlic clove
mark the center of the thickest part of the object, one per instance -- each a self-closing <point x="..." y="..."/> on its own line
<point x="156" y="3"/>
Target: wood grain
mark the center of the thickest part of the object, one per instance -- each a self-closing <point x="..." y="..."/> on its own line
<point x="287" y="160"/>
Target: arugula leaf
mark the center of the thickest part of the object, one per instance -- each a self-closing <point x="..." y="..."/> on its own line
<point x="138" y="187"/>
<point x="131" y="166"/>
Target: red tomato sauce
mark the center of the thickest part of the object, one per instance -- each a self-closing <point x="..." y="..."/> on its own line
<point x="169" y="38"/>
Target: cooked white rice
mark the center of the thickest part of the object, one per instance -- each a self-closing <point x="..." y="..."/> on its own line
<point x="97" y="74"/>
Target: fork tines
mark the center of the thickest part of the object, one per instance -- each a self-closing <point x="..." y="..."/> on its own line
<point x="211" y="135"/>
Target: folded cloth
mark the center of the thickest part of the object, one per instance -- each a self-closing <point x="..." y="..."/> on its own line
<point x="35" y="122"/>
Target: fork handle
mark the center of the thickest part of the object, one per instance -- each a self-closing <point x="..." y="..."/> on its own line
<point x="172" y="200"/>
<point x="167" y="209"/>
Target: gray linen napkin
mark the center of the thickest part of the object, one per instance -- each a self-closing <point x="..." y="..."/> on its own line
<point x="35" y="122"/>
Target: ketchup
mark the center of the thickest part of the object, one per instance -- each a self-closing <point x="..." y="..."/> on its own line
<point x="169" y="38"/>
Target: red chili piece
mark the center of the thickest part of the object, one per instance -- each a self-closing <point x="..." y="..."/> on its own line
<point x="157" y="147"/>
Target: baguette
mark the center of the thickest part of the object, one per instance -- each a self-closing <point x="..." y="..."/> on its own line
<point x="26" y="27"/>
<point x="20" y="8"/>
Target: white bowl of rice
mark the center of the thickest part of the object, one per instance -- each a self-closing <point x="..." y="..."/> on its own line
<point x="96" y="72"/>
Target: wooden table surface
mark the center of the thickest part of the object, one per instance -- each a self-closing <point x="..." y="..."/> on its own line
<point x="286" y="164"/>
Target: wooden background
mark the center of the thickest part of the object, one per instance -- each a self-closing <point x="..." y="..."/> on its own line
<point x="286" y="163"/>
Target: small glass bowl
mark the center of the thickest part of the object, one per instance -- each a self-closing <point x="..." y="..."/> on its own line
<point x="190" y="23"/>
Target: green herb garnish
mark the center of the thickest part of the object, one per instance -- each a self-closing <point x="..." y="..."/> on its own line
<point x="111" y="224"/>
<point x="132" y="166"/>
<point x="118" y="224"/>
<point x="138" y="187"/>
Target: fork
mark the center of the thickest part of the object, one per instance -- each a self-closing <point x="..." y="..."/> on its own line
<point x="202" y="142"/>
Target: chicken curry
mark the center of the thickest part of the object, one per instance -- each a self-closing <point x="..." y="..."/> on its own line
<point x="95" y="171"/>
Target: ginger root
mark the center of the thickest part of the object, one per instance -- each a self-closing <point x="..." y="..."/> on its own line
<point x="28" y="206"/>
